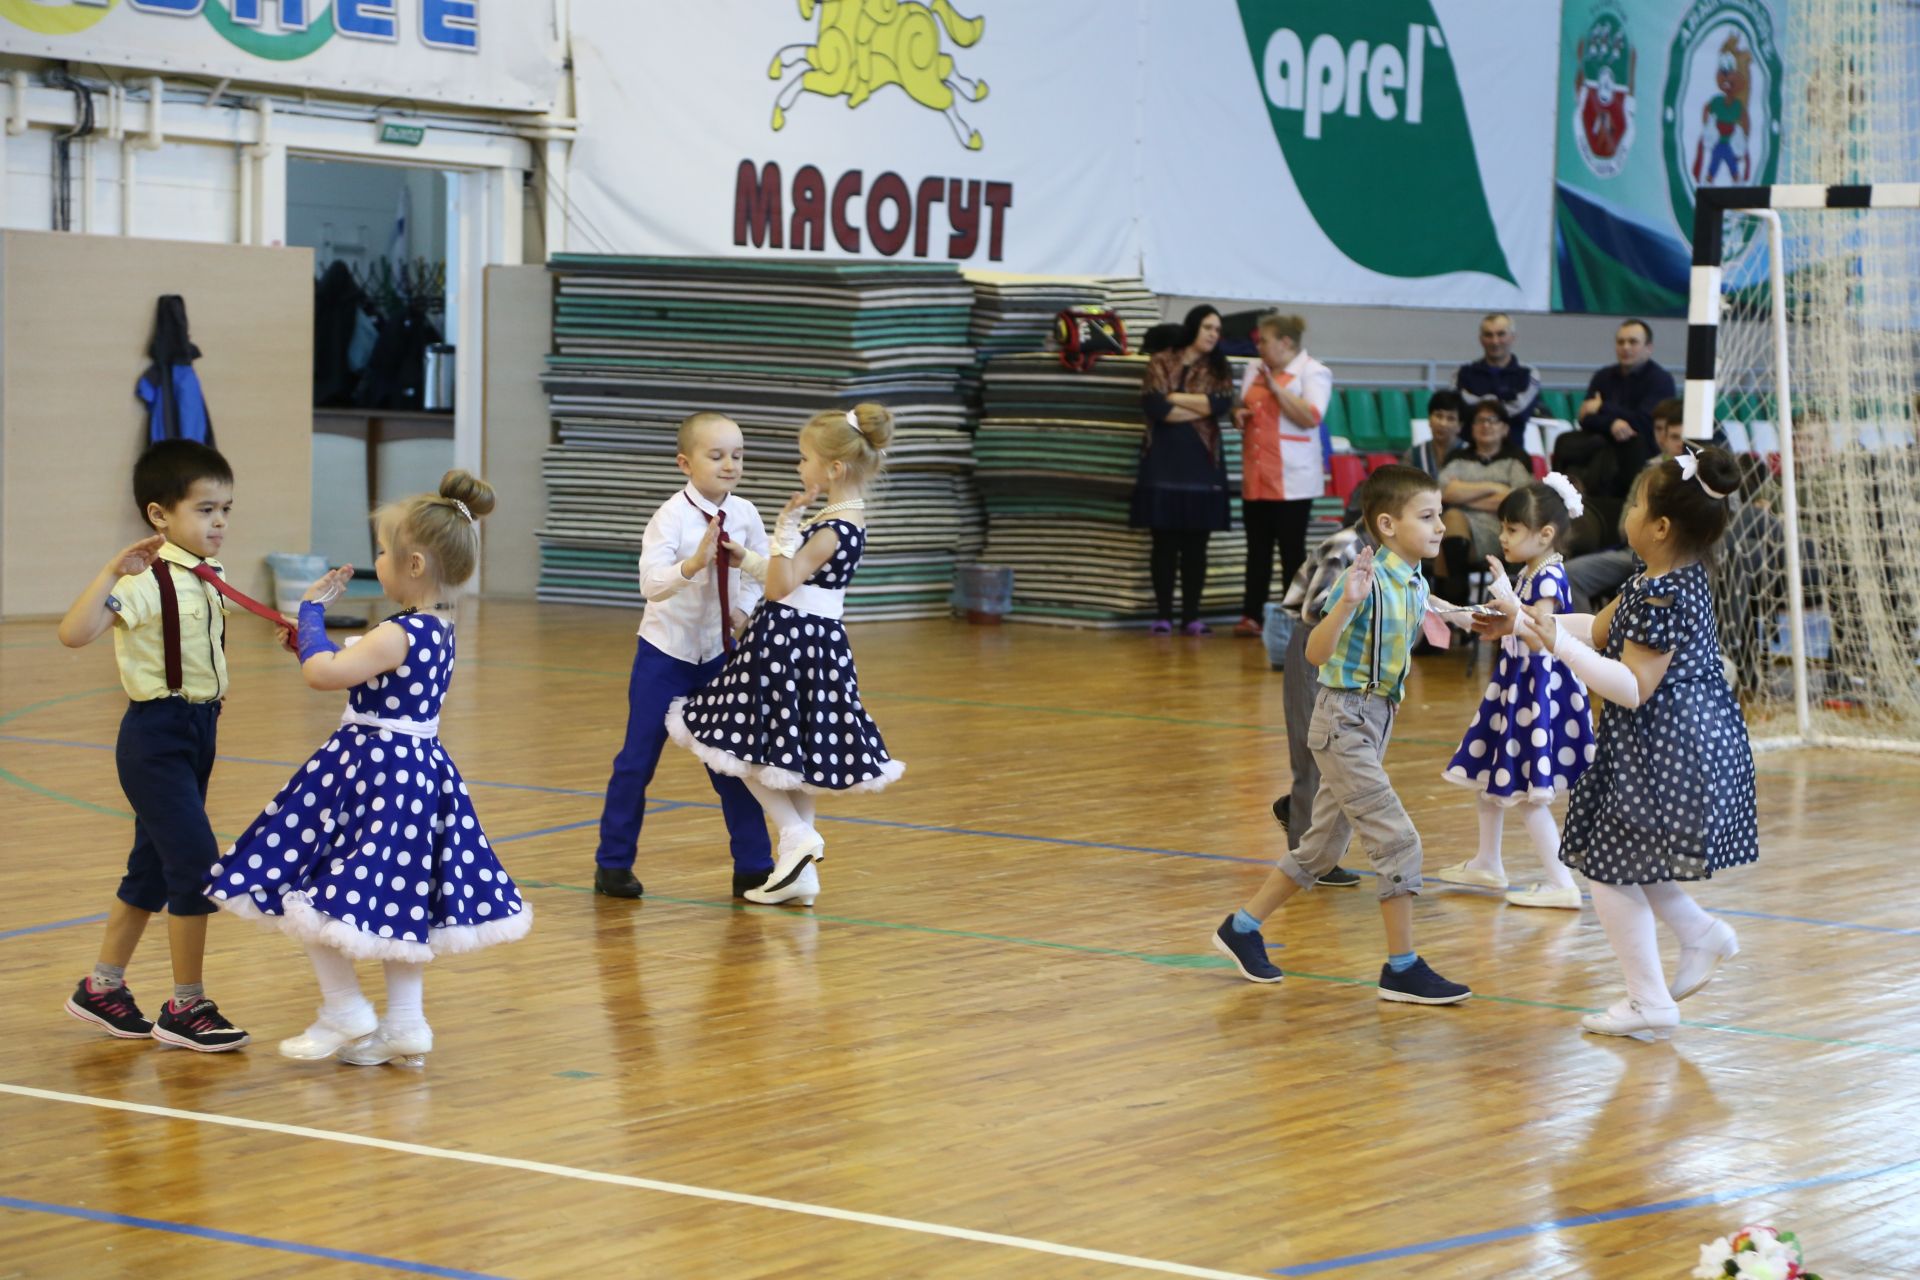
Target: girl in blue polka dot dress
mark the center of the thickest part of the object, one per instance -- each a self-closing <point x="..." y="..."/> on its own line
<point x="785" y="713"/>
<point x="372" y="850"/>
<point x="1533" y="734"/>
<point x="1669" y="796"/>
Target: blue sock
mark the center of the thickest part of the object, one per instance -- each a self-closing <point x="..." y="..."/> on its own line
<point x="1403" y="962"/>
<point x="1244" y="923"/>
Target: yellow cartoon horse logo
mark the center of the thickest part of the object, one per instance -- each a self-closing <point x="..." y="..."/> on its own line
<point x="866" y="45"/>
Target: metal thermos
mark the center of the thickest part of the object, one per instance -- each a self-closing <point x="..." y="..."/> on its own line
<point x="437" y="380"/>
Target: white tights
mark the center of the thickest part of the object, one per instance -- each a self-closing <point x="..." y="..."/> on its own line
<point x="1627" y="913"/>
<point x="340" y="987"/>
<point x="791" y="811"/>
<point x="1541" y="829"/>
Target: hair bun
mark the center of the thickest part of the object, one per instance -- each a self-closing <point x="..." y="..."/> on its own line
<point x="463" y="486"/>
<point x="1718" y="470"/>
<point x="874" y="422"/>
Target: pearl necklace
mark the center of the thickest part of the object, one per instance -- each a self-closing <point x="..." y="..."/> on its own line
<point x="851" y="504"/>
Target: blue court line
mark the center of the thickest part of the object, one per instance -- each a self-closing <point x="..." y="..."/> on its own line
<point x="234" y="1237"/>
<point x="978" y="834"/>
<point x="51" y="925"/>
<point x="1591" y="1219"/>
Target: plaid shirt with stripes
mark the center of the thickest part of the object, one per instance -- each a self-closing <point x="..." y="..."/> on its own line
<point x="1375" y="649"/>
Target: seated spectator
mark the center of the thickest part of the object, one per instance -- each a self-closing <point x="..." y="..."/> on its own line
<point x="1499" y="376"/>
<point x="1443" y="417"/>
<point x="1475" y="480"/>
<point x="1598" y="529"/>
<point x="1616" y="418"/>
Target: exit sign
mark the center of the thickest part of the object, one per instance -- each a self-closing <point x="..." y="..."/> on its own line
<point x="404" y="135"/>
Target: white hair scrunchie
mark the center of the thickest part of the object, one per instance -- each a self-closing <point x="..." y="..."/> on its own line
<point x="1576" y="505"/>
<point x="1690" y="470"/>
<point x="853" y="420"/>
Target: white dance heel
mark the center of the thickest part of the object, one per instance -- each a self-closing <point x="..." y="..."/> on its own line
<point x="799" y="849"/>
<point x="324" y="1038"/>
<point x="1697" y="964"/>
<point x="404" y="1047"/>
<point x="801" y="891"/>
<point x="1633" y="1019"/>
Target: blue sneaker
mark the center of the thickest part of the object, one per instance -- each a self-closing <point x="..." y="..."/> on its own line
<point x="1419" y="984"/>
<point x="1248" y="951"/>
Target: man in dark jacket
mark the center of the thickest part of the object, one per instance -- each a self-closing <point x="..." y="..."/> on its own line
<point x="1499" y="376"/>
<point x="1620" y="401"/>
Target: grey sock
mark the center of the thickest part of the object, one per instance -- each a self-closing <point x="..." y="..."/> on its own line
<point x="108" y="976"/>
<point x="185" y="993"/>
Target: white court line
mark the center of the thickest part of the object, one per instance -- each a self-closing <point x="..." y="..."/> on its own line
<point x="643" y="1184"/>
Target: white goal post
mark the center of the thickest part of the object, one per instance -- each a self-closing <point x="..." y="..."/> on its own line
<point x="1809" y="367"/>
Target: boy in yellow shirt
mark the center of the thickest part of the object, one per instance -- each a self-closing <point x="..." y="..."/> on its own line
<point x="169" y="637"/>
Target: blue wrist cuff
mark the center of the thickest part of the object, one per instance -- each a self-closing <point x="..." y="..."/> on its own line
<point x="313" y="630"/>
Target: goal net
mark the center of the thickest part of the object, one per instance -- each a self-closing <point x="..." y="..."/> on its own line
<point x="1804" y="330"/>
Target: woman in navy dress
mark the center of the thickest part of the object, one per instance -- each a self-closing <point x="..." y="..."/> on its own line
<point x="1670" y="795"/>
<point x="373" y="850"/>
<point x="785" y="712"/>
<point x="1180" y="487"/>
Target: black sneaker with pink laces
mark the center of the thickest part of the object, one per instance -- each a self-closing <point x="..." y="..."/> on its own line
<point x="112" y="1009"/>
<point x="199" y="1027"/>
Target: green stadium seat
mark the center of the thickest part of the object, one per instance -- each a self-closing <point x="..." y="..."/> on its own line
<point x="1335" y="420"/>
<point x="1363" y="420"/>
<point x="1559" y="404"/>
<point x="1396" y="419"/>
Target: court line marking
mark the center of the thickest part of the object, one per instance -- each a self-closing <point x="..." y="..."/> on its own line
<point x="1590" y="1219"/>
<point x="236" y="1237"/>
<point x="891" y="824"/>
<point x="51" y="925"/>
<point x="682" y="1189"/>
<point x="1204" y="961"/>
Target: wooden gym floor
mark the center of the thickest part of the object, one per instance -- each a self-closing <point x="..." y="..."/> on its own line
<point x="999" y="1047"/>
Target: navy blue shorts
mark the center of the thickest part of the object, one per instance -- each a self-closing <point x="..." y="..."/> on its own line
<point x="165" y="756"/>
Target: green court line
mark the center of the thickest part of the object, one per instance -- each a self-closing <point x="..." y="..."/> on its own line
<point x="1209" y="962"/>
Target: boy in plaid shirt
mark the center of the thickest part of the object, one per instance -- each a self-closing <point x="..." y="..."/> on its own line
<point x="1363" y="646"/>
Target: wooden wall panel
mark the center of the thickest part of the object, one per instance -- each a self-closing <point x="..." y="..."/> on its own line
<point x="76" y="314"/>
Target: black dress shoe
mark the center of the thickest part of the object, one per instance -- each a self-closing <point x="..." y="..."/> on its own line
<point x="616" y="882"/>
<point x="745" y="880"/>
<point x="1283" y="813"/>
<point x="1339" y="878"/>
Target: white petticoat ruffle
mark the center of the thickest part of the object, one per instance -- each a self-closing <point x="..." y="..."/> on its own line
<point x="300" y="920"/>
<point x="767" y="775"/>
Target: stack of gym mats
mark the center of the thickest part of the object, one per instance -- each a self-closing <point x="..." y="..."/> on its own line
<point x="1056" y="452"/>
<point x="1015" y="313"/>
<point x="641" y="343"/>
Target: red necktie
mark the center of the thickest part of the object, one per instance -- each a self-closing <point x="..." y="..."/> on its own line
<point x="721" y="568"/>
<point x="208" y="573"/>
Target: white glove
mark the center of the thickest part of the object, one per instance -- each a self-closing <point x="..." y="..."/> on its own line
<point x="1608" y="677"/>
<point x="754" y="565"/>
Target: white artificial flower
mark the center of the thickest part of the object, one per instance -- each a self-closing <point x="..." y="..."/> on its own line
<point x="1713" y="1259"/>
<point x="1757" y="1264"/>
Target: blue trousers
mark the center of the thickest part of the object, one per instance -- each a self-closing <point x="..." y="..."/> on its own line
<point x="165" y="756"/>
<point x="657" y="680"/>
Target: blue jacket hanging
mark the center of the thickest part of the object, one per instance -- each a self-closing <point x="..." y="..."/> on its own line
<point x="177" y="408"/>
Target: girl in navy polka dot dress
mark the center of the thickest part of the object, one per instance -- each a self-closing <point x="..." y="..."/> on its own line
<point x="785" y="712"/>
<point x="372" y="850"/>
<point x="1533" y="735"/>
<point x="1669" y="797"/>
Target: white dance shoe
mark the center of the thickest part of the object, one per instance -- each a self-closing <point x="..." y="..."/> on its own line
<point x="1467" y="873"/>
<point x="1631" y="1018"/>
<point x="1698" y="963"/>
<point x="324" y="1038"/>
<point x="1542" y="895"/>
<point x="403" y="1047"/>
<point x="799" y="849"/>
<point x="800" y="891"/>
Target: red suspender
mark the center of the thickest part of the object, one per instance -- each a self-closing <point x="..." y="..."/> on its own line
<point x="170" y="628"/>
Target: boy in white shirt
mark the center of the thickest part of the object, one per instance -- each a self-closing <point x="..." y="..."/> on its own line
<point x="685" y="636"/>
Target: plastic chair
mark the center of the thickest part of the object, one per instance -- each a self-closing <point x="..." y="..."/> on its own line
<point x="1539" y="466"/>
<point x="1396" y="419"/>
<point x="1363" y="421"/>
<point x="1349" y="470"/>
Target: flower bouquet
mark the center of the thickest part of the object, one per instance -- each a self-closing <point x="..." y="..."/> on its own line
<point x="1753" y="1253"/>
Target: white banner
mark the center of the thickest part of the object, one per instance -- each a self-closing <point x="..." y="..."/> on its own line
<point x="1396" y="152"/>
<point x="1001" y="136"/>
<point x="501" y="54"/>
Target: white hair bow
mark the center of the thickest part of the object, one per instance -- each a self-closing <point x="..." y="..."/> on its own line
<point x="1576" y="505"/>
<point x="1690" y="470"/>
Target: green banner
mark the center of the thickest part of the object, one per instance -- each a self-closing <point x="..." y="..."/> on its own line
<point x="1658" y="98"/>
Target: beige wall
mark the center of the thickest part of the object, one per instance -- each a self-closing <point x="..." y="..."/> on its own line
<point x="519" y="335"/>
<point x="76" y="314"/>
